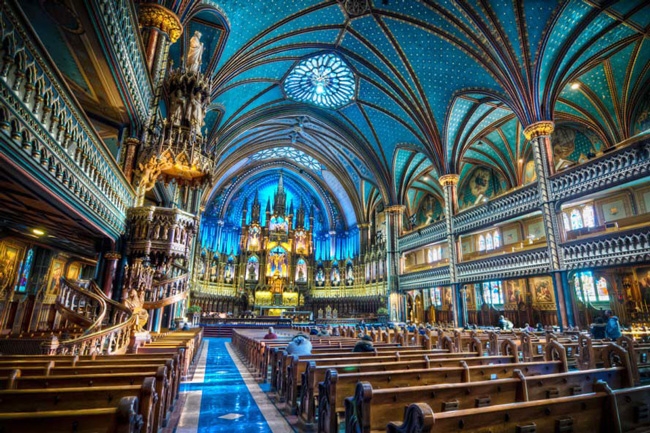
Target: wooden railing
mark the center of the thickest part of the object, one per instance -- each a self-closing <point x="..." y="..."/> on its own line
<point x="113" y="339"/>
<point x="167" y="292"/>
<point x="80" y="306"/>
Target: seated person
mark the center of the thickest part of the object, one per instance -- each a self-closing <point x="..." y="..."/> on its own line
<point x="505" y="324"/>
<point x="598" y="329"/>
<point x="539" y="327"/>
<point x="271" y="335"/>
<point x="528" y="328"/>
<point x="365" y="345"/>
<point x="313" y="331"/>
<point x="299" y="345"/>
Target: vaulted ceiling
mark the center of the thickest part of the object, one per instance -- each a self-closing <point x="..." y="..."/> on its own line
<point x="442" y="87"/>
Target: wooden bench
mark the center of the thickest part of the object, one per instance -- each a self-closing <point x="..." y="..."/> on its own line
<point x="581" y="413"/>
<point x="337" y="386"/>
<point x="98" y="380"/>
<point x="372" y="409"/>
<point x="121" y="418"/>
<point x="66" y="399"/>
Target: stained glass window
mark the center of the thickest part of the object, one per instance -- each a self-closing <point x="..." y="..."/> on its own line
<point x="481" y="243"/>
<point x="323" y="80"/>
<point x="588" y="216"/>
<point x="489" y="245"/>
<point x="430" y="256"/>
<point x="576" y="219"/>
<point x="287" y="152"/>
<point x="24" y="272"/>
<point x="494" y="292"/>
<point x="497" y="239"/>
<point x="436" y="296"/>
<point x="601" y="289"/>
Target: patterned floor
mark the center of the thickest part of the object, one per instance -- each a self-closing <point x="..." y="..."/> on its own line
<point x="224" y="398"/>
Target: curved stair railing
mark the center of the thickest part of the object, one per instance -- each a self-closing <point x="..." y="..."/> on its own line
<point x="80" y="306"/>
<point x="166" y="292"/>
<point x="110" y="333"/>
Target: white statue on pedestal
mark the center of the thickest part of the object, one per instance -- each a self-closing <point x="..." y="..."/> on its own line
<point x="195" y="53"/>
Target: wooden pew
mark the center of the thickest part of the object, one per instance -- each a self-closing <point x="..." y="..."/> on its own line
<point x="121" y="418"/>
<point x="66" y="399"/>
<point x="337" y="386"/>
<point x="107" y="379"/>
<point x="372" y="409"/>
<point x="582" y="413"/>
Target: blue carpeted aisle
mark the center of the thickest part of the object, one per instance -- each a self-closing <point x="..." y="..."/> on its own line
<point x="226" y="403"/>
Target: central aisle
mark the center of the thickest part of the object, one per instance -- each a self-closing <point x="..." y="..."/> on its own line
<point x="222" y="392"/>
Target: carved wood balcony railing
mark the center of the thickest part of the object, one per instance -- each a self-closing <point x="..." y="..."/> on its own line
<point x="509" y="265"/>
<point x="45" y="132"/>
<point x="619" y="166"/>
<point x="118" y="22"/>
<point x="113" y="339"/>
<point x="510" y="205"/>
<point x="422" y="236"/>
<point x="425" y="279"/>
<point x="610" y="249"/>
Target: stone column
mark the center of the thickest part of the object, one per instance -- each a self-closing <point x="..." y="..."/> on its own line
<point x="131" y="146"/>
<point x="160" y="28"/>
<point x="393" y="230"/>
<point x="449" y="183"/>
<point x="539" y="136"/>
<point x="111" y="258"/>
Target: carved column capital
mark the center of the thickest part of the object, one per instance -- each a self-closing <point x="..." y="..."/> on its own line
<point x="398" y="208"/>
<point x="449" y="179"/>
<point x="154" y="15"/>
<point x="112" y="255"/>
<point x="539" y="129"/>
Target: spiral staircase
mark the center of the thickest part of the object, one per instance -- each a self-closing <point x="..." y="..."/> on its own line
<point x="107" y="325"/>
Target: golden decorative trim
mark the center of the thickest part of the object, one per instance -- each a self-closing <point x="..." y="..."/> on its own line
<point x="539" y="129"/>
<point x="112" y="255"/>
<point x="154" y="15"/>
<point x="398" y="208"/>
<point x="448" y="179"/>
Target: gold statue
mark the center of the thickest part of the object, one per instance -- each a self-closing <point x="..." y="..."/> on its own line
<point x="135" y="303"/>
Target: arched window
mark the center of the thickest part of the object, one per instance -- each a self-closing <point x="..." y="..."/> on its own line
<point x="489" y="245"/>
<point x="576" y="219"/>
<point x="589" y="290"/>
<point x="588" y="216"/>
<point x="439" y="252"/>
<point x="430" y="256"/>
<point x="24" y="272"/>
<point x="481" y="243"/>
<point x="436" y="296"/>
<point x="497" y="239"/>
<point x="567" y="224"/>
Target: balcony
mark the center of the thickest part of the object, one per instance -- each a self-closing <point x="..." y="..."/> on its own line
<point x="526" y="262"/>
<point x="614" y="248"/>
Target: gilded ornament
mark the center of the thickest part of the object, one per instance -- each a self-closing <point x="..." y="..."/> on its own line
<point x="448" y="179"/>
<point x="539" y="129"/>
<point x="153" y="15"/>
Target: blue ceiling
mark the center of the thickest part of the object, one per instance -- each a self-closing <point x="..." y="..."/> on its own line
<point x="443" y="86"/>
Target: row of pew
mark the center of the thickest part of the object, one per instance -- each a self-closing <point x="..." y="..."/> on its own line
<point x="442" y="381"/>
<point x="134" y="392"/>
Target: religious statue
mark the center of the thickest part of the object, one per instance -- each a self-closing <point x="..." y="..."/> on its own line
<point x="195" y="53"/>
<point x="135" y="303"/>
<point x="177" y="107"/>
<point x="195" y="111"/>
<point x="252" y="272"/>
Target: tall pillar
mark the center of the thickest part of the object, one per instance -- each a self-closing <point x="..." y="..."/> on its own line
<point x="160" y="28"/>
<point x="393" y="230"/>
<point x="110" y="258"/>
<point x="449" y="183"/>
<point x="131" y="144"/>
<point x="539" y="136"/>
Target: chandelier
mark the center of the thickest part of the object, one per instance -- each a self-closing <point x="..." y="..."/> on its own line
<point x="175" y="148"/>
